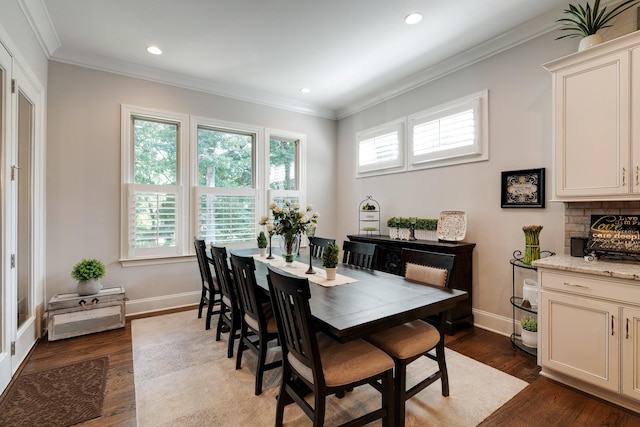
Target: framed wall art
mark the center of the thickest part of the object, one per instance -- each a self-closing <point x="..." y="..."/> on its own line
<point x="523" y="189"/>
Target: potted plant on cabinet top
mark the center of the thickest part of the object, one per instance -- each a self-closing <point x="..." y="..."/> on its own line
<point x="88" y="273"/>
<point x="330" y="260"/>
<point x="586" y="21"/>
<point x="262" y="243"/>
<point x="529" y="331"/>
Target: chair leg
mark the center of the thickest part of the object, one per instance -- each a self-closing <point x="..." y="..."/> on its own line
<point x="387" y="399"/>
<point x="202" y="299"/>
<point x="232" y="333"/>
<point x="241" y="346"/>
<point x="262" y="356"/>
<point x="220" y="321"/>
<point x="399" y="392"/>
<point x="207" y="324"/>
<point x="442" y="365"/>
<point x="319" y="410"/>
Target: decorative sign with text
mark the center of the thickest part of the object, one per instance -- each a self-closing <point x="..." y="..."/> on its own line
<point x="615" y="234"/>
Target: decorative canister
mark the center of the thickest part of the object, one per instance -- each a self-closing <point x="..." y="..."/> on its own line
<point x="530" y="292"/>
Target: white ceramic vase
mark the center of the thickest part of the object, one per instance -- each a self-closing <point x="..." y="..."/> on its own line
<point x="262" y="252"/>
<point x="590" y="41"/>
<point x="89" y="287"/>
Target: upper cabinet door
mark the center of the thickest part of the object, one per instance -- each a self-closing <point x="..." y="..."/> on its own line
<point x="592" y="135"/>
<point x="635" y="121"/>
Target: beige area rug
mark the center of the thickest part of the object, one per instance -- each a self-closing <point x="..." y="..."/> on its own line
<point x="183" y="378"/>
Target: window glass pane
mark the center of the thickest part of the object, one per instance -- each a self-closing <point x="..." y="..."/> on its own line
<point x="154" y="220"/>
<point x="381" y="148"/>
<point x="227" y="218"/>
<point x="155" y="152"/>
<point x="225" y="159"/>
<point x="453" y="131"/>
<point x="282" y="164"/>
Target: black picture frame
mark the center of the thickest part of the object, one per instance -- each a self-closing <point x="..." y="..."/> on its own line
<point x="523" y="188"/>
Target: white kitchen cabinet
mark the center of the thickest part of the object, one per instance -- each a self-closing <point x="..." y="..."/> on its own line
<point x="589" y="325"/>
<point x="631" y="352"/>
<point x="596" y="138"/>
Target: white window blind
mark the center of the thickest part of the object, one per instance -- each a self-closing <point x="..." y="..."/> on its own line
<point x="380" y="148"/>
<point x="227" y="216"/>
<point x="449" y="134"/>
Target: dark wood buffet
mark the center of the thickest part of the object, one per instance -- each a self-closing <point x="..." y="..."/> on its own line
<point x="387" y="258"/>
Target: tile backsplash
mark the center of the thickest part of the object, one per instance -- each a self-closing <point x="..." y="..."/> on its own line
<point x="577" y="216"/>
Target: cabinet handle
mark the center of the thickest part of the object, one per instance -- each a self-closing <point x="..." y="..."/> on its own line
<point x="612" y="330"/>
<point x="624" y="174"/>
<point x="575" y="286"/>
<point x="627" y="328"/>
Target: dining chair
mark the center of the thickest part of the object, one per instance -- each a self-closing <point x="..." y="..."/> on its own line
<point x="318" y="244"/>
<point x="358" y="253"/>
<point x="257" y="324"/>
<point x="210" y="295"/>
<point x="316" y="362"/>
<point x="410" y="341"/>
<point x="229" y="307"/>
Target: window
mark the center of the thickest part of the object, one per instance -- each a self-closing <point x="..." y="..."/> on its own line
<point x="449" y="134"/>
<point x="213" y="181"/>
<point x="380" y="149"/>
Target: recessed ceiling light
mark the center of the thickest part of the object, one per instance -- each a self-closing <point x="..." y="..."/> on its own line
<point x="154" y="50"/>
<point x="305" y="90"/>
<point x="413" y="18"/>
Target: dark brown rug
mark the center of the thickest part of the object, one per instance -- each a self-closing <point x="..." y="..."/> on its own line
<point x="58" y="397"/>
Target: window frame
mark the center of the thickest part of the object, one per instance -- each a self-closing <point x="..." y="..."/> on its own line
<point x="478" y="151"/>
<point x="383" y="167"/>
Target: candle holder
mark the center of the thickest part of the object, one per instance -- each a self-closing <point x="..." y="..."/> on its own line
<point x="311" y="231"/>
<point x="412" y="229"/>
<point x="270" y="254"/>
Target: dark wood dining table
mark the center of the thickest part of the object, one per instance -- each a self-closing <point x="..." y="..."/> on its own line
<point x="376" y="301"/>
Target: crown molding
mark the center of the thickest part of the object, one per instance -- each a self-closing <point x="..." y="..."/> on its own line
<point x="41" y="25"/>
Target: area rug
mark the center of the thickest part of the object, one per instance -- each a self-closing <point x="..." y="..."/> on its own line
<point x="57" y="397"/>
<point x="183" y="378"/>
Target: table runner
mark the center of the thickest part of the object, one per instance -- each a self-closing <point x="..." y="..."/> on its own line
<point x="298" y="269"/>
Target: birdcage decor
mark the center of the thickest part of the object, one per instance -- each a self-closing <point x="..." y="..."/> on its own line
<point x="369" y="217"/>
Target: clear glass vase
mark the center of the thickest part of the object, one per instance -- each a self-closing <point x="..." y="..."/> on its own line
<point x="289" y="246"/>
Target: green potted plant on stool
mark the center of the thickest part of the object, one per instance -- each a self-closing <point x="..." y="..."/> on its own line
<point x="262" y="244"/>
<point x="330" y="260"/>
<point x="88" y="273"/>
<point x="529" y="331"/>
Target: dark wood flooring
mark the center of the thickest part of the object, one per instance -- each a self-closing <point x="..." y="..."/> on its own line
<point x="543" y="403"/>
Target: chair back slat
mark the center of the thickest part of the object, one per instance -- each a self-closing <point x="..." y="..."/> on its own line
<point x="317" y="245"/>
<point x="360" y="254"/>
<point x="429" y="259"/>
<point x="223" y="273"/>
<point x="246" y="286"/>
<point x="290" y="299"/>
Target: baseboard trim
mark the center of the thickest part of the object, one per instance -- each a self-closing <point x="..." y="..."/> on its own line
<point x="165" y="302"/>
<point x="492" y="322"/>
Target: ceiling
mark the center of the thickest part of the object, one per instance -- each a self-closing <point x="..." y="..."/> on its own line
<point x="350" y="53"/>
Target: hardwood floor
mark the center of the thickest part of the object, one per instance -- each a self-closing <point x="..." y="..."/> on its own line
<point x="543" y="403"/>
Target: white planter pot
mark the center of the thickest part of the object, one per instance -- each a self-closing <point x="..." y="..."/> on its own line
<point x="590" y="41"/>
<point x="530" y="339"/>
<point x="262" y="252"/>
<point x="89" y="287"/>
<point x="331" y="273"/>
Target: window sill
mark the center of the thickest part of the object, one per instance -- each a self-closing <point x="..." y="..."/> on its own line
<point x="140" y="262"/>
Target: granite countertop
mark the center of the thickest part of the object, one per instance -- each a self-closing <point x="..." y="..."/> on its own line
<point x="617" y="269"/>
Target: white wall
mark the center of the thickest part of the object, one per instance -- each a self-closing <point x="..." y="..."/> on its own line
<point x="519" y="138"/>
<point x="83" y="166"/>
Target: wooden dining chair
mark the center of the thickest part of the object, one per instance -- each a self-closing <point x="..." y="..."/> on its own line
<point x="258" y="325"/>
<point x="410" y="341"/>
<point x="229" y="307"/>
<point x="318" y="244"/>
<point x="358" y="253"/>
<point x="210" y="295"/>
<point x="318" y="363"/>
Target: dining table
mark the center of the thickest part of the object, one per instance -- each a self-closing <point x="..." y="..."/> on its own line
<point x="371" y="302"/>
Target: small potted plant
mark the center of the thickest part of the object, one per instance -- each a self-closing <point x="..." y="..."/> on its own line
<point x="529" y="331"/>
<point x="262" y="244"/>
<point x="330" y="260"/>
<point x="586" y="21"/>
<point x="88" y="273"/>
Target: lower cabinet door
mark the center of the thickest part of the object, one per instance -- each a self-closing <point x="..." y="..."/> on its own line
<point x="580" y="337"/>
<point x="631" y="352"/>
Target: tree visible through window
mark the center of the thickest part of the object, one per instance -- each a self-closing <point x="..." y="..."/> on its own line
<point x="282" y="164"/>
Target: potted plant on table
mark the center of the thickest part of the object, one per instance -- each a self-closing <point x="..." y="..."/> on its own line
<point x="529" y="331"/>
<point x="330" y="260"/>
<point x="88" y="273"/>
<point x="586" y="21"/>
<point x="262" y="244"/>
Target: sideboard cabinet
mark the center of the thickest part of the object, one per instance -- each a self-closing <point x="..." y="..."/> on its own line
<point x="596" y="142"/>
<point x="387" y="258"/>
<point x="589" y="325"/>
